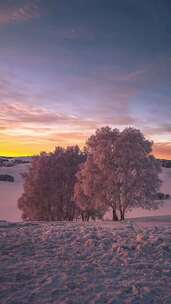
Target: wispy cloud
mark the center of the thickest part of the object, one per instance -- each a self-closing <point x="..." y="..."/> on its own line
<point x="75" y="108"/>
<point x="16" y="12"/>
<point x="164" y="128"/>
<point x="93" y="97"/>
<point x="42" y="128"/>
<point x="22" y="114"/>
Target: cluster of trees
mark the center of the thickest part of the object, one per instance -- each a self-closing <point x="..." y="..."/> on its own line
<point x="116" y="170"/>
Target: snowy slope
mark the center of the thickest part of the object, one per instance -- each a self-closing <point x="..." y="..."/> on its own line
<point x="10" y="192"/>
<point x="76" y="263"/>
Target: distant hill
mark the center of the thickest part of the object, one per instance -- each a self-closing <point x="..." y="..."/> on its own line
<point x="13" y="161"/>
<point x="6" y="161"/>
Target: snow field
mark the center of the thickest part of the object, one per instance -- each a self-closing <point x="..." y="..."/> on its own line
<point x="77" y="263"/>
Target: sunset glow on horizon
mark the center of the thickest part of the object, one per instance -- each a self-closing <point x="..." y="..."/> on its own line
<point x="67" y="69"/>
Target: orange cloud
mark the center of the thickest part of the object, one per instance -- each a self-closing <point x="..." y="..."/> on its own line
<point x="162" y="150"/>
<point x="27" y="130"/>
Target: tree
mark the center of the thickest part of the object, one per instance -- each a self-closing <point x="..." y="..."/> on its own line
<point x="137" y="172"/>
<point x="49" y="186"/>
<point x="119" y="172"/>
<point x="88" y="199"/>
<point x="95" y="187"/>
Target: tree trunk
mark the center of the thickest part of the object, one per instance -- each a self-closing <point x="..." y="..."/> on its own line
<point x="122" y="215"/>
<point x="115" y="217"/>
<point x="82" y="216"/>
<point x="87" y="217"/>
<point x="93" y="217"/>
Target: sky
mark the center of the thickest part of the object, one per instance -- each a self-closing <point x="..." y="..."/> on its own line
<point x="68" y="67"/>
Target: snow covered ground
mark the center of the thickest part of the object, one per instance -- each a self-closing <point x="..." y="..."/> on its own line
<point x="10" y="192"/>
<point x="165" y="188"/>
<point x="76" y="263"/>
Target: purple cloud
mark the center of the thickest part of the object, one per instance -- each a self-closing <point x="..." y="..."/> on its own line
<point x="18" y="13"/>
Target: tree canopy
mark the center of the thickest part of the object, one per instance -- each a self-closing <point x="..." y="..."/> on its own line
<point x="49" y="185"/>
<point x="119" y="172"/>
<point x="116" y="170"/>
